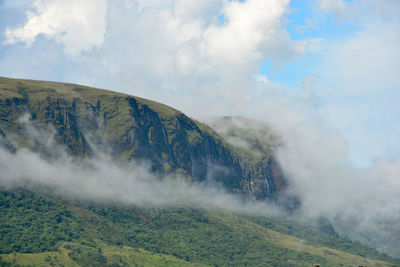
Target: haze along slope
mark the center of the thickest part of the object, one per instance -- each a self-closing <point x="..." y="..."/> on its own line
<point x="86" y="120"/>
<point x="44" y="229"/>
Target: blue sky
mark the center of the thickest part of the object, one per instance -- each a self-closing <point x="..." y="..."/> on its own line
<point x="334" y="63"/>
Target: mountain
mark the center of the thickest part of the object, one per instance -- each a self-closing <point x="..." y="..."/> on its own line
<point x="43" y="227"/>
<point x="86" y="120"/>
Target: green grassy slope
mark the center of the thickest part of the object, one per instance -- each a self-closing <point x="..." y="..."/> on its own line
<point x="75" y="254"/>
<point x="47" y="230"/>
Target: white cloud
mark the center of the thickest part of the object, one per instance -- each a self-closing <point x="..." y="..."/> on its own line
<point x="249" y="26"/>
<point x="391" y="169"/>
<point x="78" y="25"/>
<point x="367" y="60"/>
<point x="359" y="75"/>
<point x="181" y="54"/>
<point x="364" y="10"/>
<point x="386" y="10"/>
<point x="262" y="79"/>
<point x="338" y="7"/>
<point x="176" y="52"/>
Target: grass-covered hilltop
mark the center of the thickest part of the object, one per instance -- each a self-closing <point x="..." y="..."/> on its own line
<point x="69" y="128"/>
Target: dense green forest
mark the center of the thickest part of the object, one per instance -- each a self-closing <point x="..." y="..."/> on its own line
<point x="54" y="231"/>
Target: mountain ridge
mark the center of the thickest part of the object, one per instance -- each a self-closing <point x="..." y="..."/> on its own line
<point x="133" y="128"/>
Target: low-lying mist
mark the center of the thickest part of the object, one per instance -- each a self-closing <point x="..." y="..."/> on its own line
<point x="101" y="178"/>
<point x="363" y="202"/>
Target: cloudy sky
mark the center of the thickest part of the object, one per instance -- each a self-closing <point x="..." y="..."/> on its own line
<point x="331" y="64"/>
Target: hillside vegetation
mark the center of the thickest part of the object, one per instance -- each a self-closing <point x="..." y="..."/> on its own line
<point x="42" y="229"/>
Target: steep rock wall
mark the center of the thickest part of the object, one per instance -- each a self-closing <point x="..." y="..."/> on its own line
<point x="87" y="120"/>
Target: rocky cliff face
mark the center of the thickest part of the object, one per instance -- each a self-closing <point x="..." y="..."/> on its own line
<point x="254" y="143"/>
<point x="86" y="120"/>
